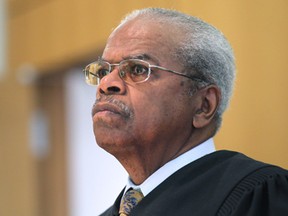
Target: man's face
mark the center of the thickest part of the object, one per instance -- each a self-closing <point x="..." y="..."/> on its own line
<point x="154" y="117"/>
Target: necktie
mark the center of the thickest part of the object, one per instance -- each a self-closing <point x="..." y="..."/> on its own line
<point x="129" y="201"/>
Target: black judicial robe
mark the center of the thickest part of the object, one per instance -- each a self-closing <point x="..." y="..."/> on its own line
<point x="219" y="184"/>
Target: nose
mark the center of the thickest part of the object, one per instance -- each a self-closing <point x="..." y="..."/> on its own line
<point x="112" y="84"/>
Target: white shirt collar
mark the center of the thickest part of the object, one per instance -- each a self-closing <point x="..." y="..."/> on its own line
<point x="171" y="167"/>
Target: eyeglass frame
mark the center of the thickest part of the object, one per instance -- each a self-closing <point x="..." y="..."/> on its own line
<point x="150" y="66"/>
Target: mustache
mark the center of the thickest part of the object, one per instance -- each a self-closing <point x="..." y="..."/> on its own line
<point x="122" y="107"/>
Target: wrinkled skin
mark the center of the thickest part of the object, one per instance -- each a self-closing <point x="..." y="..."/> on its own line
<point x="147" y="124"/>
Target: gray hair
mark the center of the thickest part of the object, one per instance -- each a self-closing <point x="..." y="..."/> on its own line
<point x="204" y="50"/>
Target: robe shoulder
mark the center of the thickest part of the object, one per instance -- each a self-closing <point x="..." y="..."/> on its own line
<point x="263" y="192"/>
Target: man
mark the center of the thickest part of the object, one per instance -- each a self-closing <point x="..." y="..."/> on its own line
<point x="164" y="81"/>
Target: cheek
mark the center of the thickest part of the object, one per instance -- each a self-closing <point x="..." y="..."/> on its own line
<point x="158" y="107"/>
<point x="153" y="111"/>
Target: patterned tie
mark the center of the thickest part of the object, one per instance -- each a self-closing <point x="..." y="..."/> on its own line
<point x="129" y="201"/>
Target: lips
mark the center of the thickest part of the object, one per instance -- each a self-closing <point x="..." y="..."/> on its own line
<point x="106" y="106"/>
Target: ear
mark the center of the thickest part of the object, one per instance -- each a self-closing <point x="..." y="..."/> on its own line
<point x="210" y="97"/>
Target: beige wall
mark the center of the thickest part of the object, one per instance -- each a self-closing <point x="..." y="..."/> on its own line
<point x="53" y="35"/>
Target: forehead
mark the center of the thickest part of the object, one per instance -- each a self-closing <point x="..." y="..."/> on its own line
<point x="141" y="36"/>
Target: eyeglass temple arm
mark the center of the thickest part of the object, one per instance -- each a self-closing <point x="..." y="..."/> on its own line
<point x="178" y="73"/>
<point x="85" y="73"/>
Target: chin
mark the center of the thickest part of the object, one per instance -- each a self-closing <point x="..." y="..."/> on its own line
<point x="113" y="142"/>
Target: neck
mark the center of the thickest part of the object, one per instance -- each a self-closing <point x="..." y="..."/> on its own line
<point x="140" y="164"/>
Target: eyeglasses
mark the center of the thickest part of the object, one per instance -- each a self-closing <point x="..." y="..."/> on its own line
<point x="131" y="71"/>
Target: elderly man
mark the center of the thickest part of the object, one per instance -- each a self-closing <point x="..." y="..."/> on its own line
<point x="164" y="81"/>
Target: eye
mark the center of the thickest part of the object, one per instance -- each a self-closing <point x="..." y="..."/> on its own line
<point x="134" y="70"/>
<point x="101" y="72"/>
<point x="138" y="70"/>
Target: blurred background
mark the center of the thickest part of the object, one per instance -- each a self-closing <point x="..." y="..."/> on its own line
<point x="49" y="162"/>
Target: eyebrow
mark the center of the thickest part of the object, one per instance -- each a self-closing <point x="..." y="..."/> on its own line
<point x="142" y="56"/>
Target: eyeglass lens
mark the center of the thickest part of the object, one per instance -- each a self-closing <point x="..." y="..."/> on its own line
<point x="131" y="71"/>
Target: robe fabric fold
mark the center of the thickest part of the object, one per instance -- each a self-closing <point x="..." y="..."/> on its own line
<point x="219" y="184"/>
